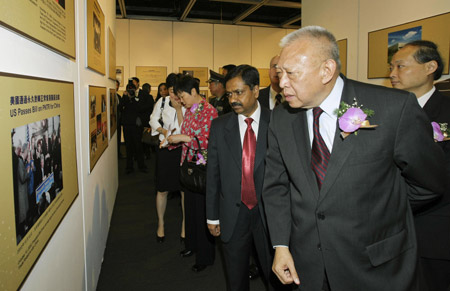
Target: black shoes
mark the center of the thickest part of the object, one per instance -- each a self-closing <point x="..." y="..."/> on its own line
<point x="186" y="253"/>
<point x="198" y="268"/>
<point x="160" y="239"/>
<point x="253" y="272"/>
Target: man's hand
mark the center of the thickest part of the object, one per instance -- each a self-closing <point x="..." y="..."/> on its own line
<point x="283" y="266"/>
<point x="214" y="229"/>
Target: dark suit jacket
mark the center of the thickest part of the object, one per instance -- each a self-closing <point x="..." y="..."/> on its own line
<point x="264" y="96"/>
<point x="433" y="223"/>
<point x="223" y="188"/>
<point x="360" y="227"/>
<point x="145" y="107"/>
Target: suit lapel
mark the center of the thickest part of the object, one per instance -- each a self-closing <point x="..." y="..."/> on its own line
<point x="341" y="147"/>
<point x="233" y="138"/>
<point x="303" y="148"/>
<point x="432" y="107"/>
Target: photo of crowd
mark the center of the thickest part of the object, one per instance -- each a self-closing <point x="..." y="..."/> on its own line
<point x="37" y="170"/>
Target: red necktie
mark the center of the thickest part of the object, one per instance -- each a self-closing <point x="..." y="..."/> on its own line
<point x="320" y="154"/>
<point x="248" y="192"/>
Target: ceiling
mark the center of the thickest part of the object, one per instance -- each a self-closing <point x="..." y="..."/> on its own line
<point x="267" y="13"/>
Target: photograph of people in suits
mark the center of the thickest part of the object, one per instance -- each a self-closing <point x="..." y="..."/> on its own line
<point x="236" y="152"/>
<point x="340" y="210"/>
<point x="414" y="68"/>
<point x="37" y="170"/>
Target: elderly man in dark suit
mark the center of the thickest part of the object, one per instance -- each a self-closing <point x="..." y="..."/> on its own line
<point x="272" y="96"/>
<point x="236" y="151"/>
<point x="414" y="68"/>
<point x="338" y="194"/>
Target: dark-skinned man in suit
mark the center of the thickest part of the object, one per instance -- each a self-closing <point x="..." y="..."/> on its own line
<point x="236" y="151"/>
<point x="414" y="69"/>
<point x="339" y="204"/>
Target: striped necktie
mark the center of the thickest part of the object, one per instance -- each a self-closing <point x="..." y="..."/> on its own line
<point x="320" y="154"/>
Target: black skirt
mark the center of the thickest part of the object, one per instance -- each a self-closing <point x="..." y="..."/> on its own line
<point x="168" y="169"/>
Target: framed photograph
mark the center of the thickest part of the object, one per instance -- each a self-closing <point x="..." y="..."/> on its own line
<point x="95" y="37"/>
<point x="98" y="124"/>
<point x="201" y="73"/>
<point x="152" y="75"/>
<point x="342" y="44"/>
<point x="384" y="43"/>
<point x="39" y="175"/>
<point x="112" y="55"/>
<point x="49" y="23"/>
<point x="112" y="112"/>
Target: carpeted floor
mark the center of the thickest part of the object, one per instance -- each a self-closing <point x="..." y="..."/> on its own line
<point x="133" y="259"/>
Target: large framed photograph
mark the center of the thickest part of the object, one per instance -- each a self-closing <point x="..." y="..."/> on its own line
<point x="98" y="124"/>
<point x="95" y="37"/>
<point x="384" y="43"/>
<point x="112" y="55"/>
<point x="151" y="74"/>
<point x="39" y="177"/>
<point x="49" y="23"/>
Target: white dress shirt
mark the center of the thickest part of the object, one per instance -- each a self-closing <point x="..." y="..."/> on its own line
<point x="425" y="97"/>
<point x="328" y="119"/>
<point x="169" y="117"/>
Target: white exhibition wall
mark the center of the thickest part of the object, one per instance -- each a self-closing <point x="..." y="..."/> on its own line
<point x="72" y="259"/>
<point x="183" y="44"/>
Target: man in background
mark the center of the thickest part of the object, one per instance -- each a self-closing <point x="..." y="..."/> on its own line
<point x="227" y="68"/>
<point x="272" y="96"/>
<point x="414" y="68"/>
<point x="217" y="88"/>
<point x="119" y="120"/>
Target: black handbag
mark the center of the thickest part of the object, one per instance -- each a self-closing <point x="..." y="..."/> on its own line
<point x="148" y="138"/>
<point x="193" y="176"/>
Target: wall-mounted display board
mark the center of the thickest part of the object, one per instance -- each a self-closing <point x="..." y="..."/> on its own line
<point x="98" y="124"/>
<point x="95" y="37"/>
<point x="39" y="177"/>
<point x="264" y="79"/>
<point x="384" y="43"/>
<point x="112" y="55"/>
<point x="119" y="75"/>
<point x="201" y="73"/>
<point x="112" y="112"/>
<point x="47" y="22"/>
<point x="152" y="75"/>
<point x="342" y="44"/>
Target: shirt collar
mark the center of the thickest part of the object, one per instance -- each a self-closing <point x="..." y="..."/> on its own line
<point x="255" y="116"/>
<point x="425" y="97"/>
<point x="274" y="93"/>
<point x="331" y="103"/>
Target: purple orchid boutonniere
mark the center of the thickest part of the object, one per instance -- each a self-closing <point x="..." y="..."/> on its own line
<point x="202" y="158"/>
<point x="196" y="108"/>
<point x="441" y="131"/>
<point x="353" y="117"/>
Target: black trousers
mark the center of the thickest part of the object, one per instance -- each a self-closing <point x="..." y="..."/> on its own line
<point x="248" y="232"/>
<point x="198" y="239"/>
<point x="133" y="143"/>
